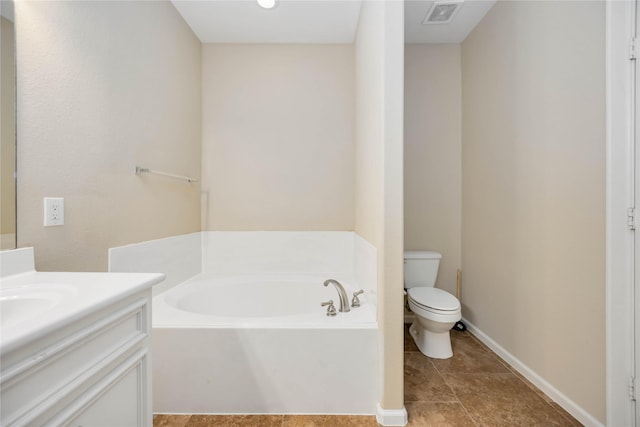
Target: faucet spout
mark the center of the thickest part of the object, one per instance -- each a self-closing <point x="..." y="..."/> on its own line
<point x="344" y="300"/>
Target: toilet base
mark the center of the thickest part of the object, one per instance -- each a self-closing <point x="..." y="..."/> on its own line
<point x="432" y="344"/>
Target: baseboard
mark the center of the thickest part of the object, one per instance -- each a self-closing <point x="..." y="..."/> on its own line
<point x="391" y="417"/>
<point x="558" y="397"/>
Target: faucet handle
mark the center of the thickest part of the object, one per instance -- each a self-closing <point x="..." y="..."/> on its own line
<point x="331" y="310"/>
<point x="355" y="302"/>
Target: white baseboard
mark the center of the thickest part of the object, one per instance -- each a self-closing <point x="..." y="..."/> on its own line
<point x="558" y="397"/>
<point x="391" y="417"/>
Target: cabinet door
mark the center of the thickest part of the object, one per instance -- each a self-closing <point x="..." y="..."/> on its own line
<point x="121" y="403"/>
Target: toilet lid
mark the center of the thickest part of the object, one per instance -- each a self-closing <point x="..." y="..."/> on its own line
<point x="434" y="298"/>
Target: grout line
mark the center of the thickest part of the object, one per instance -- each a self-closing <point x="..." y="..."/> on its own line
<point x="452" y="391"/>
<point x="464" y="408"/>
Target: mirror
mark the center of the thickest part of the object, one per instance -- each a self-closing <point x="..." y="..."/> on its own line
<point x="7" y="128"/>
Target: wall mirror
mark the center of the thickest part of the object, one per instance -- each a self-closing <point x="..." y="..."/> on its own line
<point x="7" y="128"/>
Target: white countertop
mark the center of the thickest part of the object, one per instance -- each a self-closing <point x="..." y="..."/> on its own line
<point x="60" y="299"/>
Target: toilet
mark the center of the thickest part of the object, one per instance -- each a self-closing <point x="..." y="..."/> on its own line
<point x="436" y="311"/>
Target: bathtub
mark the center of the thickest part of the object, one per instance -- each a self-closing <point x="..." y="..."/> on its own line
<point x="262" y="344"/>
<point x="238" y="327"/>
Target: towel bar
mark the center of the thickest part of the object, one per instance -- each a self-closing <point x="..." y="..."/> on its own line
<point x="140" y="170"/>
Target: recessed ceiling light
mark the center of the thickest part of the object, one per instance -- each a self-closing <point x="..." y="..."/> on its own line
<point x="268" y="4"/>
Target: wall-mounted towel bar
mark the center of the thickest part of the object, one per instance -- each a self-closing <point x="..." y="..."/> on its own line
<point x="140" y="170"/>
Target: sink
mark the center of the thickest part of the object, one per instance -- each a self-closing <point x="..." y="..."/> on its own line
<point x="20" y="304"/>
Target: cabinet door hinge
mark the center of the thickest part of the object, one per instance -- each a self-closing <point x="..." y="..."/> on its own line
<point x="632" y="388"/>
<point x="632" y="49"/>
<point x="631" y="218"/>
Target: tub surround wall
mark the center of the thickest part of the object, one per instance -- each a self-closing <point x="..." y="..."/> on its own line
<point x="228" y="253"/>
<point x="103" y="87"/>
<point x="379" y="50"/>
<point x="432" y="156"/>
<point x="533" y="191"/>
<point x="278" y="137"/>
<point x="240" y="252"/>
<point x="178" y="257"/>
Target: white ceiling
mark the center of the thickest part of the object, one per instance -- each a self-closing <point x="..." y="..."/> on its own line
<point x="291" y="21"/>
<point x="315" y="21"/>
<point x="467" y="17"/>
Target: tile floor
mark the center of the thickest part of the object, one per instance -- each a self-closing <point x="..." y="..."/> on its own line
<point x="473" y="388"/>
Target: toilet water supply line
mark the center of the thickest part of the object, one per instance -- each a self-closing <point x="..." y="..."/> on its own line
<point x="459" y="325"/>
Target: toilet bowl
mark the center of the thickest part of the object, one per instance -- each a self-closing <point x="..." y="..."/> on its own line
<point x="436" y="311"/>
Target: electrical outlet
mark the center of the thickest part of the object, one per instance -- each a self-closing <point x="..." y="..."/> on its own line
<point x="53" y="211"/>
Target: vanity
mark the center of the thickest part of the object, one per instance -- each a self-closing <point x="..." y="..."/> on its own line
<point x="74" y="347"/>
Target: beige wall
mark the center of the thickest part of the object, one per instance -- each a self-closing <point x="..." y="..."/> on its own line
<point x="379" y="218"/>
<point x="432" y="154"/>
<point x="103" y="87"/>
<point x="278" y="137"/>
<point x="533" y="195"/>
<point x="7" y="136"/>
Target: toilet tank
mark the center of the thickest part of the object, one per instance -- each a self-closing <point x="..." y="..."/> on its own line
<point x="421" y="268"/>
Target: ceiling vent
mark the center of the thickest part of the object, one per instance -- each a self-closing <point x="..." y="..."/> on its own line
<point x="442" y="12"/>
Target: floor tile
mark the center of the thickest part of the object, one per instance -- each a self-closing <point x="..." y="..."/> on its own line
<point x="480" y="343"/>
<point x="502" y="400"/>
<point x="422" y="382"/>
<point x="234" y="421"/>
<point x="469" y="357"/>
<point x="530" y="385"/>
<point x="161" y="420"/>
<point x="329" y="421"/>
<point x="437" y="414"/>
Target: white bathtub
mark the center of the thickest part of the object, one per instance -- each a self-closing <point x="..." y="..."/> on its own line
<point x="238" y="327"/>
<point x="262" y="344"/>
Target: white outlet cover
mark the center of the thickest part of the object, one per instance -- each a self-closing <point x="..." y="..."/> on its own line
<point x="53" y="211"/>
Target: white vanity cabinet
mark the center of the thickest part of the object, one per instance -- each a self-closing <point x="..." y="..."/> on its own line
<point x="90" y="367"/>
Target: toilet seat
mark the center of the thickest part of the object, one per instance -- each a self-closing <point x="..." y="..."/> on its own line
<point x="434" y="300"/>
<point x="435" y="315"/>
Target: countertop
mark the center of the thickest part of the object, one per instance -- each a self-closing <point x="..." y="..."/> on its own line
<point x="58" y="299"/>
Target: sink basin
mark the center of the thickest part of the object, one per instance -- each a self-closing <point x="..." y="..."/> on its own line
<point x="19" y="304"/>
